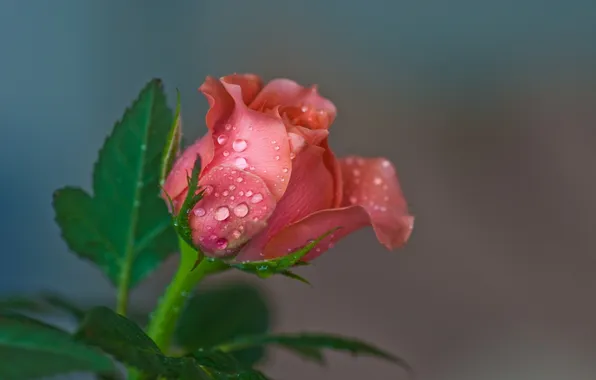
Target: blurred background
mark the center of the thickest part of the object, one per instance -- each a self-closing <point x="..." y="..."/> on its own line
<point x="486" y="108"/>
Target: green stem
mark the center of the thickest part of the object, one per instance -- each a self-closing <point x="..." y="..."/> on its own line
<point x="122" y="299"/>
<point x="186" y="278"/>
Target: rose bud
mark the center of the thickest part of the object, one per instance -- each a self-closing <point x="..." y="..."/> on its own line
<point x="271" y="182"/>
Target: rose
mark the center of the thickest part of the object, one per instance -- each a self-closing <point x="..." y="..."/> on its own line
<point x="272" y="182"/>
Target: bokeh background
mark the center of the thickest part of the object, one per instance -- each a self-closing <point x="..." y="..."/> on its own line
<point x="486" y="108"/>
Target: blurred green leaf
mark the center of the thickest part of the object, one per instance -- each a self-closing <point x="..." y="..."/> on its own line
<point x="310" y="346"/>
<point x="127" y="342"/>
<point x="223" y="366"/>
<point x="31" y="349"/>
<point x="124" y="228"/>
<point x="172" y="143"/>
<point x="214" y="316"/>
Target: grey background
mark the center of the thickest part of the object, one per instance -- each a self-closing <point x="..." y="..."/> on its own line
<point x="487" y="110"/>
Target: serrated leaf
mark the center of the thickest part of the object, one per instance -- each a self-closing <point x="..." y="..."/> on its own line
<point x="31" y="349"/>
<point x="280" y="265"/>
<point x="223" y="366"/>
<point x="310" y="346"/>
<point x="230" y="311"/>
<point x="172" y="143"/>
<point x="127" y="342"/>
<point x="124" y="227"/>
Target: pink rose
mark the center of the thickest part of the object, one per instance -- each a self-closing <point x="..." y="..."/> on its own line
<point x="272" y="182"/>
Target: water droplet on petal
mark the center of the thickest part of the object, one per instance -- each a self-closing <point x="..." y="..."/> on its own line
<point x="232" y="187"/>
<point x="241" y="193"/>
<point x="292" y="155"/>
<point x="221" y="243"/>
<point x="353" y="199"/>
<point x="226" y="153"/>
<point x="222" y="213"/>
<point x="225" y="193"/>
<point x="239" y="145"/>
<point x="232" y="197"/>
<point x="356" y="172"/>
<point x="222" y="139"/>
<point x="241" y="210"/>
<point x="199" y="211"/>
<point x="248" y="193"/>
<point x="228" y="127"/>
<point x="239" y="179"/>
<point x="236" y="234"/>
<point x="377" y="181"/>
<point x="256" y="198"/>
<point x="273" y="141"/>
<point x="285" y="170"/>
<point x="241" y="163"/>
<point x="208" y="189"/>
<point x="277" y="158"/>
<point x="252" y="168"/>
<point x="277" y="147"/>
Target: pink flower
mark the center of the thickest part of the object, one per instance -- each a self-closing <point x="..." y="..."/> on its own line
<point x="272" y="182"/>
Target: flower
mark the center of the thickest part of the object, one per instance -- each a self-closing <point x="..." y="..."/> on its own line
<point x="271" y="182"/>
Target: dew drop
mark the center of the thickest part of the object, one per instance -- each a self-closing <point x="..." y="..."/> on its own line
<point x="222" y="139"/>
<point x="241" y="193"/>
<point x="252" y="168"/>
<point x="225" y="193"/>
<point x="239" y="145"/>
<point x="285" y="170"/>
<point x="241" y="228"/>
<point x="232" y="187"/>
<point x="292" y="155"/>
<point x="277" y="158"/>
<point x="276" y="147"/>
<point x="236" y="234"/>
<point x="377" y="181"/>
<point x="221" y="243"/>
<point x="386" y="164"/>
<point x="256" y="198"/>
<point x="228" y="127"/>
<point x="356" y="172"/>
<point x="353" y="199"/>
<point x="248" y="193"/>
<point x="241" y="210"/>
<point x="199" y="211"/>
<point x="222" y="213"/>
<point x="226" y="153"/>
<point x="241" y="163"/>
<point x="232" y="198"/>
<point x="273" y="141"/>
<point x="239" y="179"/>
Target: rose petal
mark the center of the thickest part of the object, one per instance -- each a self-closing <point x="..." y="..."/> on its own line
<point x="235" y="207"/>
<point x="247" y="139"/>
<point x="310" y="190"/>
<point x="249" y="83"/>
<point x="304" y="105"/>
<point x="176" y="182"/>
<point x="372" y="189"/>
<point x="334" y="167"/>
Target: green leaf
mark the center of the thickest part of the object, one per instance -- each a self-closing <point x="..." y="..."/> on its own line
<point x="63" y="304"/>
<point x="172" y="143"/>
<point x="223" y="366"/>
<point x="22" y="304"/>
<point x="310" y="346"/>
<point x="229" y="311"/>
<point x="127" y="342"/>
<point x="124" y="228"/>
<point x="280" y="265"/>
<point x="31" y="349"/>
